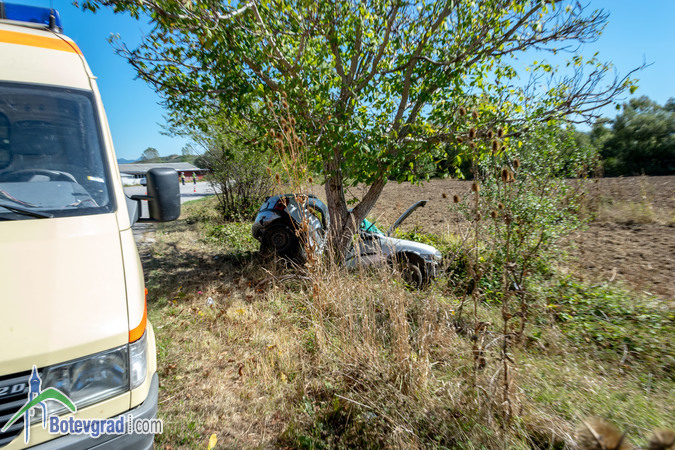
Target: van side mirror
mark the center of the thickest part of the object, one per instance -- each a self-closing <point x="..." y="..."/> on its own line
<point x="163" y="195"/>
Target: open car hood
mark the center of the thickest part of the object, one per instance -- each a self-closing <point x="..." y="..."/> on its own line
<point x="405" y="215"/>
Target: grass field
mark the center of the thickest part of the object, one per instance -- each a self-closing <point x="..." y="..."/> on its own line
<point x="263" y="355"/>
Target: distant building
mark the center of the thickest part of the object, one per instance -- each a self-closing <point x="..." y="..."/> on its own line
<point x="129" y="180"/>
<point x="133" y="173"/>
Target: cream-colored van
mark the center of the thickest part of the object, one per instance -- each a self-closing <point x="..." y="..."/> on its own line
<point x="73" y="313"/>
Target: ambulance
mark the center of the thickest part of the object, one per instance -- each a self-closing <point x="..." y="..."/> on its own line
<point x="77" y="352"/>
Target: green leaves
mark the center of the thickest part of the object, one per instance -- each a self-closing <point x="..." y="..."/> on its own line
<point x="374" y="85"/>
<point x="640" y="140"/>
<point x="615" y="321"/>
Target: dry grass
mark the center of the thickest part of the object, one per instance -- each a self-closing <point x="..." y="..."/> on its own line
<point x="640" y="200"/>
<point x="283" y="358"/>
<point x="628" y="212"/>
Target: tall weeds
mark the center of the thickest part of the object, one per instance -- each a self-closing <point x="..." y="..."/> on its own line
<point x="518" y="208"/>
<point x="375" y="348"/>
<point x="370" y="338"/>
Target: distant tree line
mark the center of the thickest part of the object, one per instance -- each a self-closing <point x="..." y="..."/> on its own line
<point x="150" y="154"/>
<point x="188" y="155"/>
<point x="641" y="139"/>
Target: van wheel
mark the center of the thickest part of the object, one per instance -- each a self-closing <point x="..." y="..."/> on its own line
<point x="280" y="239"/>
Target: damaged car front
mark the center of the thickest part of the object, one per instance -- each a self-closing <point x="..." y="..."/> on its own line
<point x="279" y="219"/>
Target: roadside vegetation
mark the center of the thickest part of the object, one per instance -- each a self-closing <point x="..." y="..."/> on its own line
<point x="638" y="141"/>
<point x="260" y="353"/>
<point x="506" y="349"/>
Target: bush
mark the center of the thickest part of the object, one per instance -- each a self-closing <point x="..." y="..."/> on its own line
<point x="240" y="177"/>
<point x="640" y="140"/>
<point x="238" y="161"/>
<point x="616" y="323"/>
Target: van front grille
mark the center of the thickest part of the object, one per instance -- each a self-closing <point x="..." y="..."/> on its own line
<point x="13" y="395"/>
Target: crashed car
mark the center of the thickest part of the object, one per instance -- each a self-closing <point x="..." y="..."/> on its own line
<point x="281" y="216"/>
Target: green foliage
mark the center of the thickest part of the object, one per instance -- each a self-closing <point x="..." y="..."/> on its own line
<point x="518" y="209"/>
<point x="203" y="210"/>
<point x="150" y="154"/>
<point x="641" y="139"/>
<point x="525" y="204"/>
<point x="376" y="86"/>
<point x="614" y="320"/>
<point x="236" y="236"/>
<point x="238" y="165"/>
<point x="455" y="161"/>
<point x="417" y="234"/>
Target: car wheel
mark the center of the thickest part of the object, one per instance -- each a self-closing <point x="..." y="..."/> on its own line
<point x="280" y="239"/>
<point x="411" y="273"/>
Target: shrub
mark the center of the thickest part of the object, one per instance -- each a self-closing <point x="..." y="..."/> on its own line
<point x="618" y="325"/>
<point x="238" y="160"/>
<point x="239" y="174"/>
<point x="518" y="208"/>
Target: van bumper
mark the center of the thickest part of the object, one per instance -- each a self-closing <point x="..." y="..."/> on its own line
<point x="146" y="410"/>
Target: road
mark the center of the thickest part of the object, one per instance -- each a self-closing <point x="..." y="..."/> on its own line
<point x="187" y="192"/>
<point x="144" y="232"/>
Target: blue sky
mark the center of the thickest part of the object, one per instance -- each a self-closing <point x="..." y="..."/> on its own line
<point x="636" y="32"/>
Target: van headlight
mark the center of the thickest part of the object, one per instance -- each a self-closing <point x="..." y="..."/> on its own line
<point x="89" y="380"/>
<point x="98" y="377"/>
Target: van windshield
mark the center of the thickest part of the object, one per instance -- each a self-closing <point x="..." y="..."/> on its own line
<point x="51" y="158"/>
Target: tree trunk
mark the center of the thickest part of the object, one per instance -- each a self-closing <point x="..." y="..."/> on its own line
<point x="344" y="224"/>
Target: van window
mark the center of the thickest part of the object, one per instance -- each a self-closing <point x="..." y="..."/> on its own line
<point x="51" y="158"/>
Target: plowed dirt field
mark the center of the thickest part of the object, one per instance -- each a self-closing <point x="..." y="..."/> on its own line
<point x="631" y="239"/>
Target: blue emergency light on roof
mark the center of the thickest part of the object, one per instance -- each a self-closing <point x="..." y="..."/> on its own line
<point x="31" y="14"/>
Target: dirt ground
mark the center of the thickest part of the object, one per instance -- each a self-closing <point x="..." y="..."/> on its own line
<point x="631" y="239"/>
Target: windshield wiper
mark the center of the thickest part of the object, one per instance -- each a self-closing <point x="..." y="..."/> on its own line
<point x="20" y="209"/>
<point x="26" y="212"/>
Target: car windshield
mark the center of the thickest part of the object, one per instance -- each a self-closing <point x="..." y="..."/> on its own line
<point x="370" y="227"/>
<point x="51" y="157"/>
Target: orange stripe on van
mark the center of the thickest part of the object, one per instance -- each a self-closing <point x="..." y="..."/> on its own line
<point x="14" y="37"/>
<point x="137" y="332"/>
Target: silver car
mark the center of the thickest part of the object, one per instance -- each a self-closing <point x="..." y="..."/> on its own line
<point x="280" y="216"/>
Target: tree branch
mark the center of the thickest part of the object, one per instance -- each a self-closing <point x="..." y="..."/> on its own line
<point x="411" y="65"/>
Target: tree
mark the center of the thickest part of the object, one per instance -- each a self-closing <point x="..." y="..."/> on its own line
<point x="187" y="153"/>
<point x="641" y="139"/>
<point x="149" y="154"/>
<point x="376" y="86"/>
